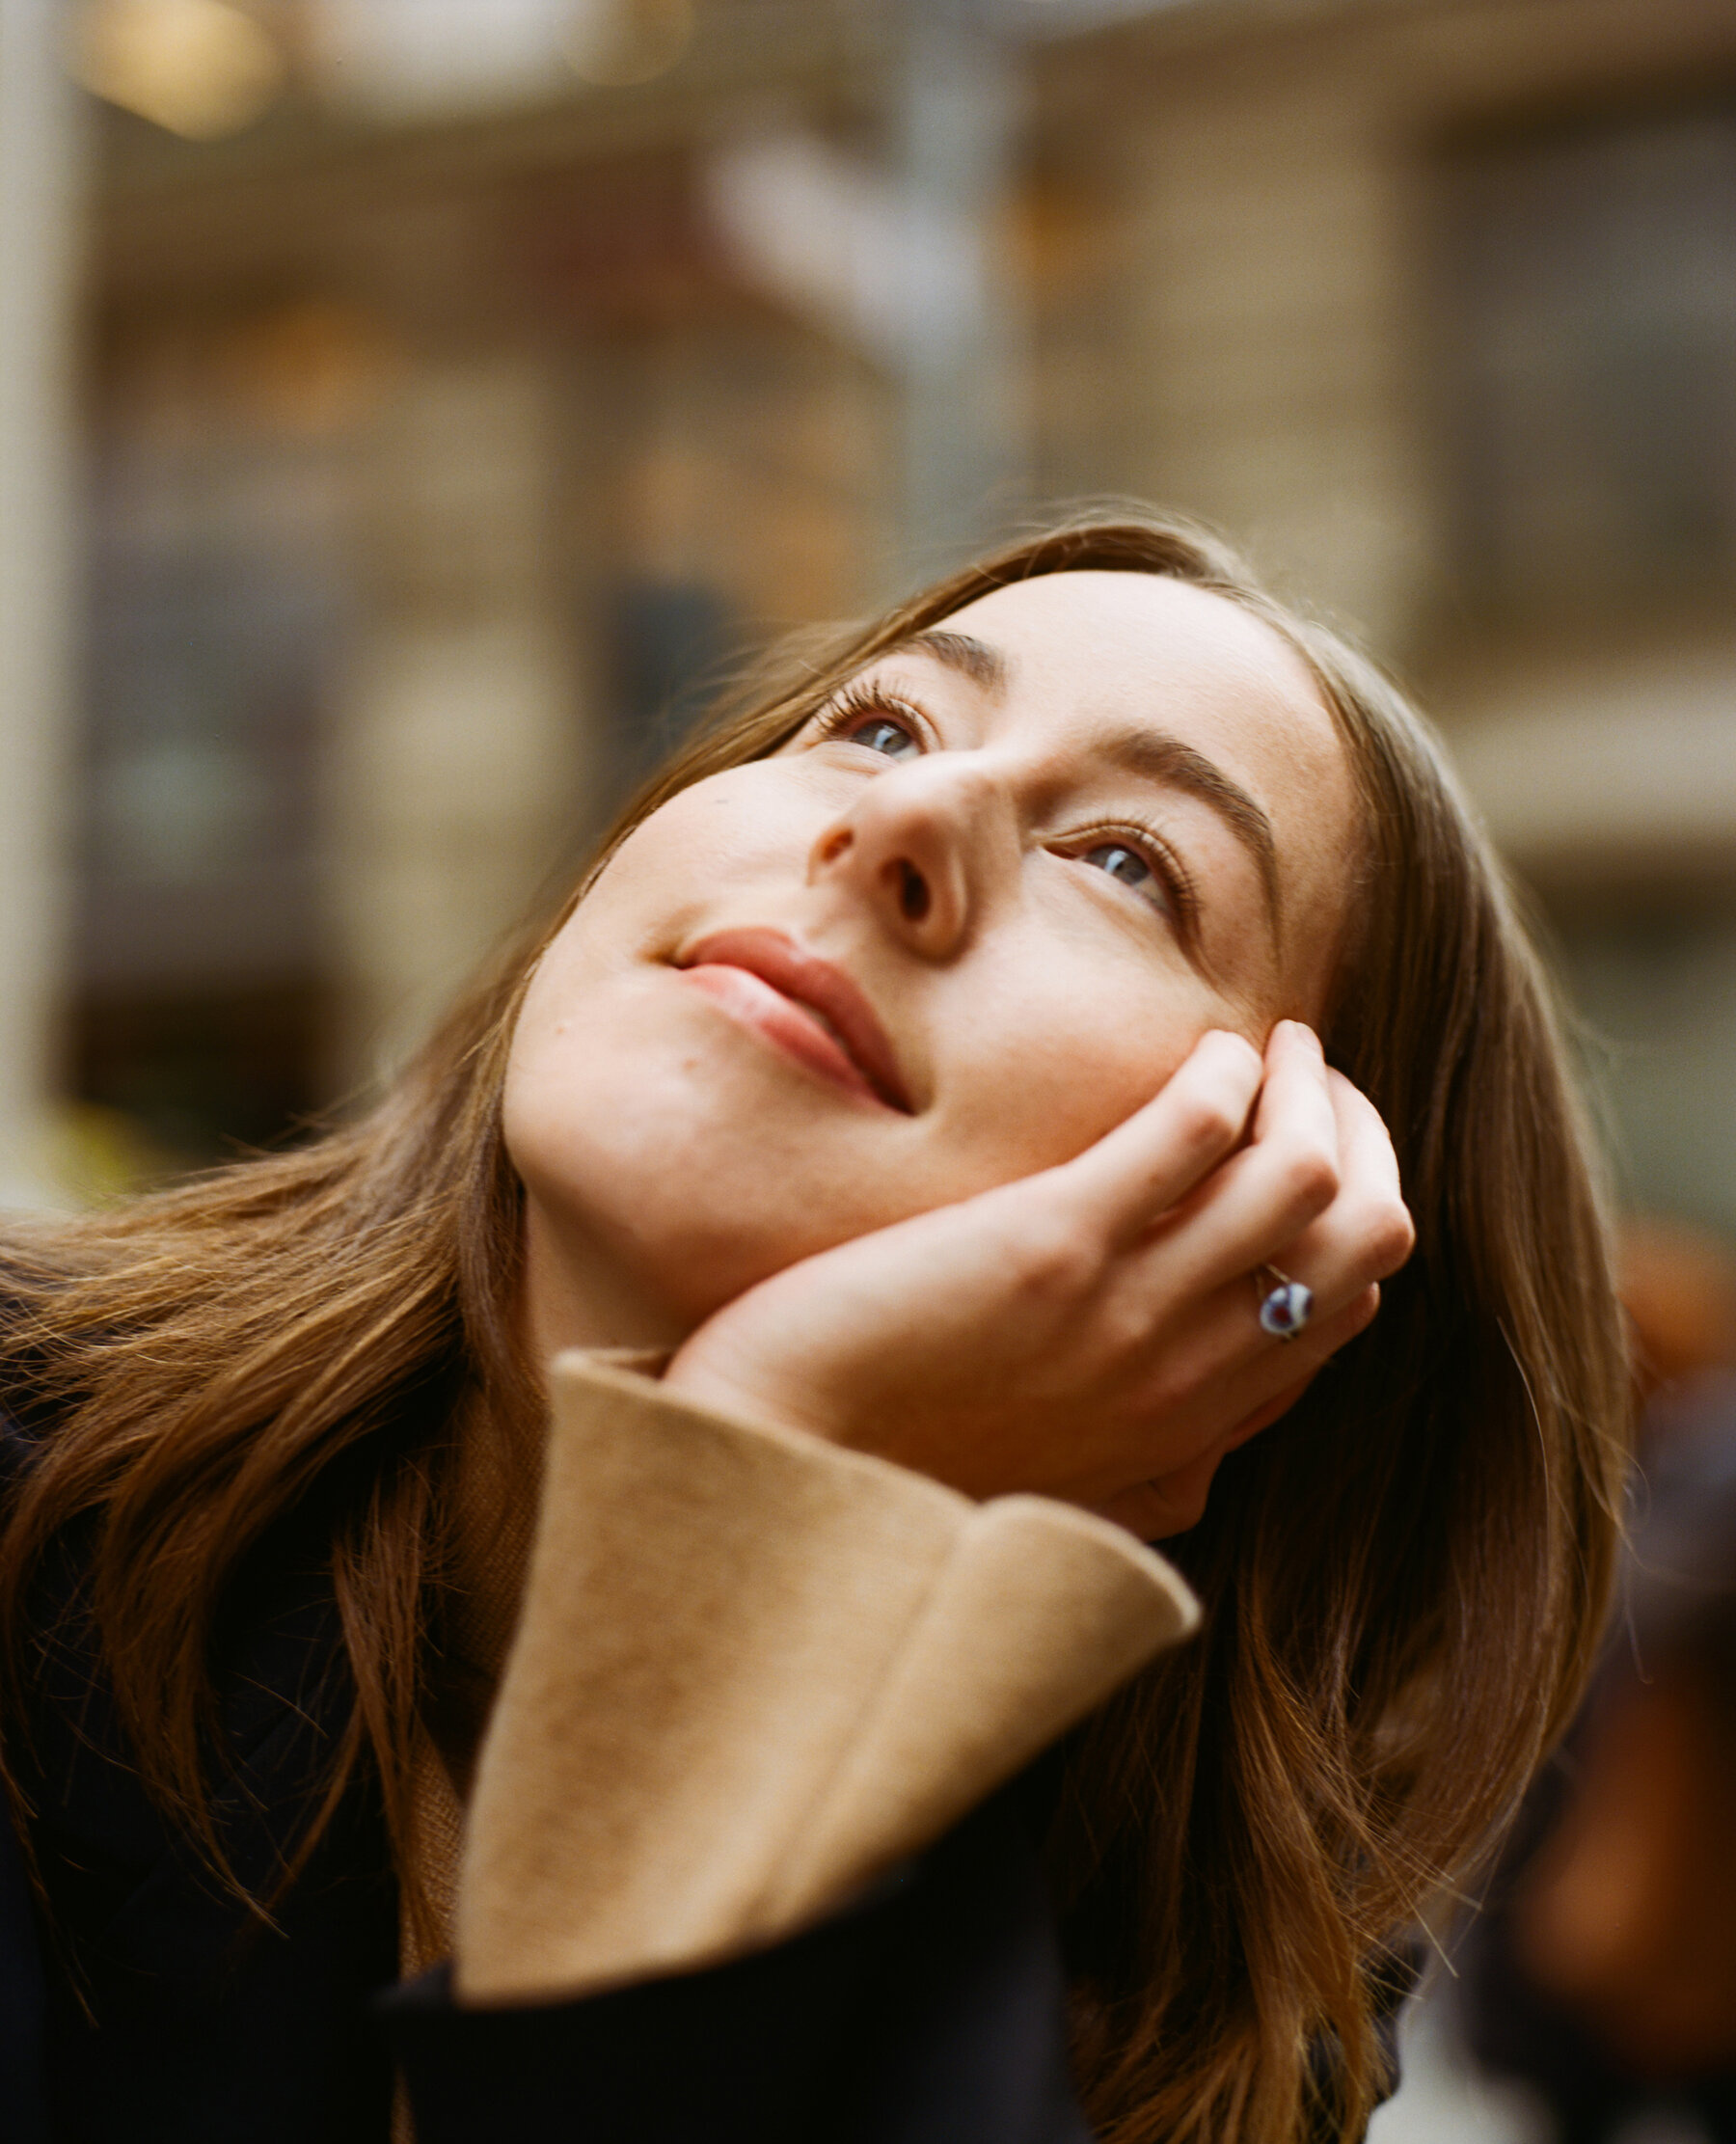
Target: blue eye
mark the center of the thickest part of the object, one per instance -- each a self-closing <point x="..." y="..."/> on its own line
<point x="890" y="738"/>
<point x="1130" y="868"/>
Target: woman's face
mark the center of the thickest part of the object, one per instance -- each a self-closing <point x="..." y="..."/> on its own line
<point x="974" y="915"/>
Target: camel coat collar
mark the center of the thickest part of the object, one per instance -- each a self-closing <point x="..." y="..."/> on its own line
<point x="735" y="1673"/>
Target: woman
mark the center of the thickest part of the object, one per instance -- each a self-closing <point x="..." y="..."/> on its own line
<point x="925" y="1082"/>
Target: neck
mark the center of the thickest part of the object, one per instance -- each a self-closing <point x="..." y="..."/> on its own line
<point x="575" y="1296"/>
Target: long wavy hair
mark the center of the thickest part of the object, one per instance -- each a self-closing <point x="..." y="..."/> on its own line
<point x="1403" y="1581"/>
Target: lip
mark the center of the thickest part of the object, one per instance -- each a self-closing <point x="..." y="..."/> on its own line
<point x="834" y="1030"/>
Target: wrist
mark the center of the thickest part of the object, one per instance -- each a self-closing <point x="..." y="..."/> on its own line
<point x="704" y="1377"/>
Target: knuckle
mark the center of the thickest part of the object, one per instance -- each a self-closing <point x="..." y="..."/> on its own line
<point x="1391" y="1236"/>
<point x="1054" y="1257"/>
<point x="1309" y="1176"/>
<point x="1126" y="1328"/>
<point x="1173" y="1387"/>
<point x="1361" y="1242"/>
<point x="1205" y="1121"/>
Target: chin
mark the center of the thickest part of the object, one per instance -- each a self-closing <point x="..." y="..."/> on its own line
<point x="691" y="1162"/>
<point x="691" y="1237"/>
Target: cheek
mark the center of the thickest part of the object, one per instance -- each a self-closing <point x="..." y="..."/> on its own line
<point x="648" y="1131"/>
<point x="607" y="1120"/>
<point x="1064" y="1052"/>
<point x="587" y="1033"/>
<point x="645" y="889"/>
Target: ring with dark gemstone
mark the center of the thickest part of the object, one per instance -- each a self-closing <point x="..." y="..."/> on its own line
<point x="1286" y="1308"/>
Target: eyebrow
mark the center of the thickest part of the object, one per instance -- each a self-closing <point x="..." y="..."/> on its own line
<point x="1150" y="755"/>
<point x="973" y="659"/>
<point x="1159" y="757"/>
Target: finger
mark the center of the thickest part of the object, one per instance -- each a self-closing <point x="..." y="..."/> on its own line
<point x="1370" y="1215"/>
<point x="1295" y="1099"/>
<point x="1160" y="1152"/>
<point x="1364" y="1146"/>
<point x="1168" y="1504"/>
<point x="1236" y="1370"/>
<point x="1259" y="1201"/>
<point x="1263" y="1416"/>
<point x="1173" y="1500"/>
<point x="1276" y="1373"/>
<point x="1171" y="1503"/>
<point x="1367" y="1232"/>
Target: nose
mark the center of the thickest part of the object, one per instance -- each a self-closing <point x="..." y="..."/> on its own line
<point x="922" y="844"/>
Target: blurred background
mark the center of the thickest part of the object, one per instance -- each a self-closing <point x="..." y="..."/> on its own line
<point x="407" y="405"/>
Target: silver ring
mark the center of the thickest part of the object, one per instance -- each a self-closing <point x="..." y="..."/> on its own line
<point x="1284" y="1309"/>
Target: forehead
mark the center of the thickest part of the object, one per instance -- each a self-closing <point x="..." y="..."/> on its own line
<point x="1142" y="644"/>
<point x="1095" y="652"/>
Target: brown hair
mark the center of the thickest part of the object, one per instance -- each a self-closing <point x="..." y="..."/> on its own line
<point x="1403" y="1581"/>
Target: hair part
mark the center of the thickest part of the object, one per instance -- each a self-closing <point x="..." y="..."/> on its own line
<point x="1403" y="1579"/>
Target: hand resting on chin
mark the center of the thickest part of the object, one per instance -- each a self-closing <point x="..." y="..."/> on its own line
<point x="1090" y="1332"/>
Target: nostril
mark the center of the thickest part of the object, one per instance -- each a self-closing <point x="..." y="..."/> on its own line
<point x="912" y="892"/>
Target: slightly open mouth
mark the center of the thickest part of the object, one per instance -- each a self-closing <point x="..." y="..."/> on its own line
<point x="803" y="1005"/>
<point x="795" y="1029"/>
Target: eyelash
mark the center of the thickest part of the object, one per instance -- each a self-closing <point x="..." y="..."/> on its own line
<point x="865" y="700"/>
<point x="861" y="702"/>
<point x="1152" y="848"/>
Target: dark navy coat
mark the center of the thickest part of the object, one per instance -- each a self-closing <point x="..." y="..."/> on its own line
<point x="141" y="2004"/>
